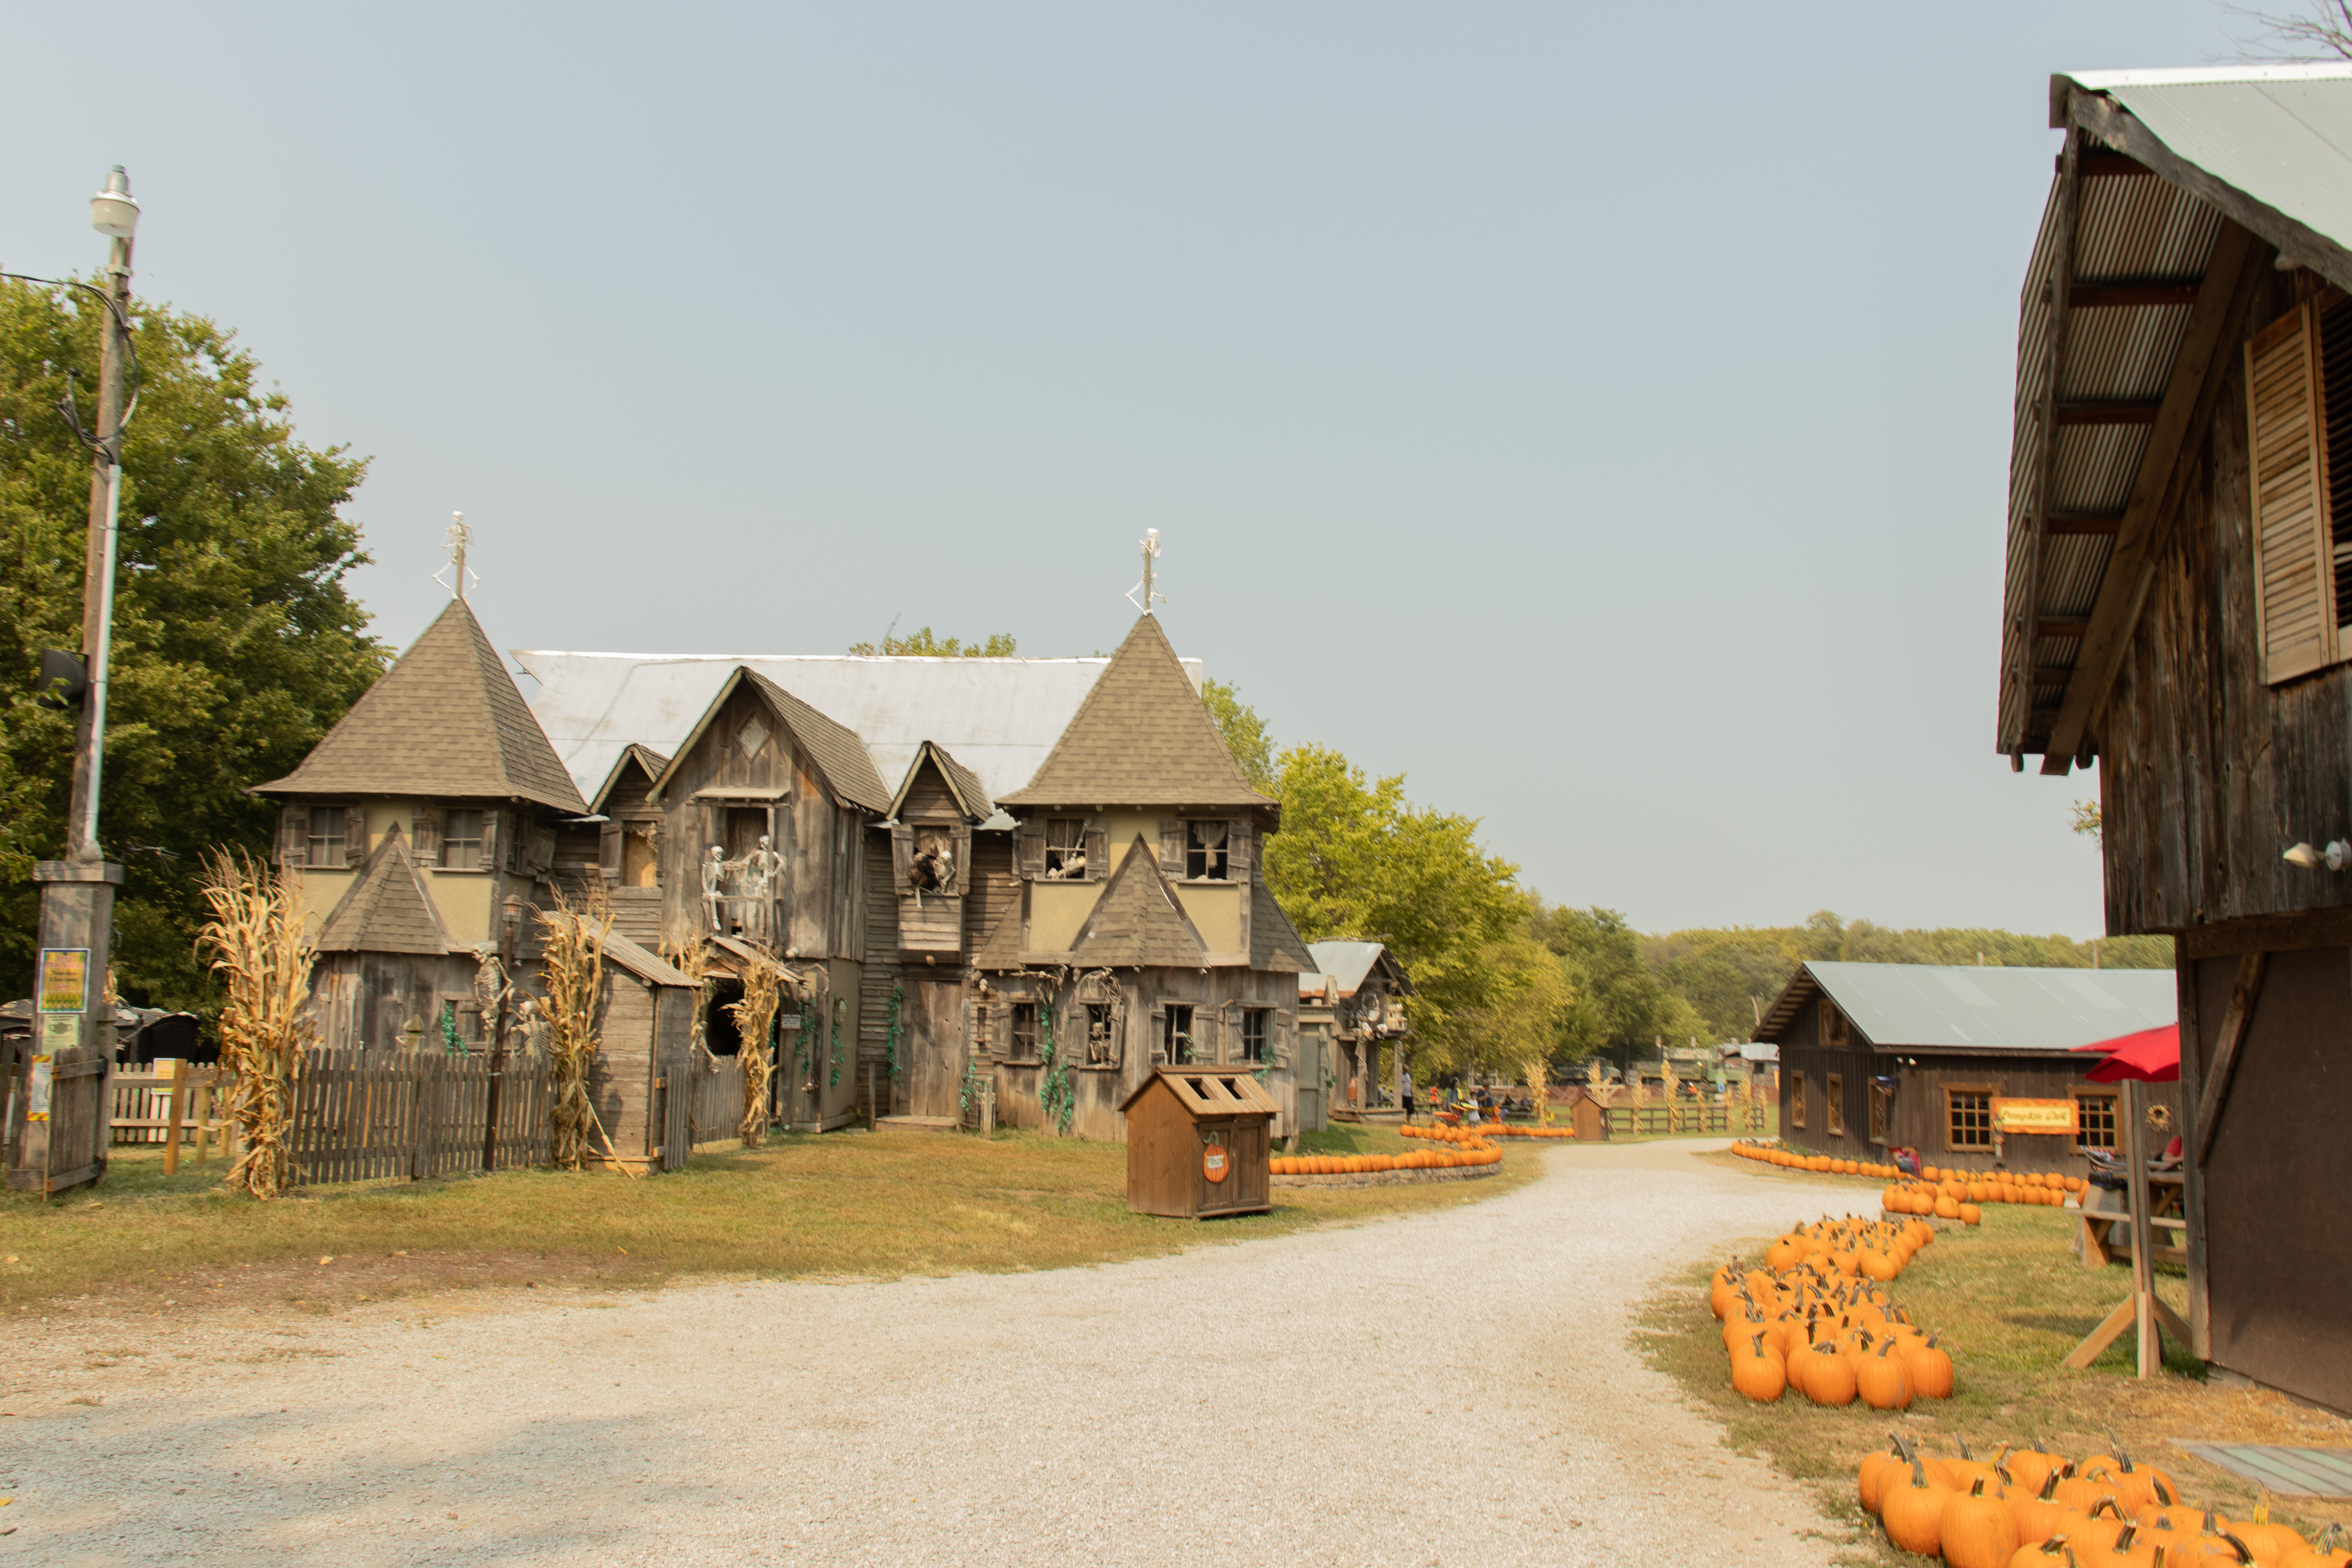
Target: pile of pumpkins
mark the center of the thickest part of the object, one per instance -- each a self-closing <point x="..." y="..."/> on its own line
<point x="1813" y="1318"/>
<point x="2028" y="1508"/>
<point x="1502" y="1130"/>
<point x="1957" y="1194"/>
<point x="1469" y="1149"/>
<point x="1829" y="1165"/>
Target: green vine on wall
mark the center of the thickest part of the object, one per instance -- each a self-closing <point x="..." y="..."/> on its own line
<point x="834" y="1081"/>
<point x="452" y="1043"/>
<point x="1057" y="1098"/>
<point x="891" y="1038"/>
<point x="808" y="1029"/>
<point x="970" y="1087"/>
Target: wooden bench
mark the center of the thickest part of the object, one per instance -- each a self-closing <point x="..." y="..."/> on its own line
<point x="2106" y="1233"/>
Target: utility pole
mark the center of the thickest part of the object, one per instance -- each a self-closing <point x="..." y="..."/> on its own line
<point x="61" y="1141"/>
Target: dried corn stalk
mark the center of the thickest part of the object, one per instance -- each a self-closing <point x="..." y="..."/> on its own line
<point x="1536" y="1091"/>
<point x="572" y="972"/>
<point x="755" y="1016"/>
<point x="263" y="956"/>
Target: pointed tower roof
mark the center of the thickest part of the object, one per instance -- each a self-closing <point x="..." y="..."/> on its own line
<point x="387" y="909"/>
<point x="1143" y="736"/>
<point x="1137" y="922"/>
<point x="446" y="720"/>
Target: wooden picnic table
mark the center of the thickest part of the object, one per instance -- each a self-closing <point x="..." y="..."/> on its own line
<point x="2107" y="1232"/>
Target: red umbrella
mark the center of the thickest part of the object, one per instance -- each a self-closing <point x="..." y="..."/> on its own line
<point x="2151" y="1056"/>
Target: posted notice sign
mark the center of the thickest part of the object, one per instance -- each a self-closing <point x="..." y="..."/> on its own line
<point x="2046" y="1117"/>
<point x="65" y="980"/>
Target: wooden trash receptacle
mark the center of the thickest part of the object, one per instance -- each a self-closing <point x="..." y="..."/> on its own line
<point x="1199" y="1144"/>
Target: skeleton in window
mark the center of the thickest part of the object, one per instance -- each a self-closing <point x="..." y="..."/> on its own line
<point x="714" y="873"/>
<point x="1204" y="851"/>
<point x="762" y="870"/>
<point x="934" y="865"/>
<point x="1103" y="1006"/>
<point x="1065" y="849"/>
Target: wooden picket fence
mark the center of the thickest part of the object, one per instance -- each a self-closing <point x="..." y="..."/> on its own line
<point x="1663" y="1118"/>
<point x="362" y="1116"/>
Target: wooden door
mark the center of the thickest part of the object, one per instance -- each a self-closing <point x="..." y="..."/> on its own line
<point x="935" y="1045"/>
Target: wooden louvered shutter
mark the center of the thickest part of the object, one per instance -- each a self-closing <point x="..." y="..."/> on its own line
<point x="2287" y="456"/>
<point x="963" y="859"/>
<point x="1098" y="849"/>
<point x="1033" y="850"/>
<point x="355" y="837"/>
<point x="609" y="837"/>
<point x="1171" y="846"/>
<point x="294" y="836"/>
<point x="491" y="840"/>
<point x="902" y="857"/>
<point x="426" y="828"/>
<point x="1237" y="850"/>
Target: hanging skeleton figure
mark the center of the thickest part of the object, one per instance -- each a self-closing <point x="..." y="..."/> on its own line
<point x="714" y="871"/>
<point x="933" y="867"/>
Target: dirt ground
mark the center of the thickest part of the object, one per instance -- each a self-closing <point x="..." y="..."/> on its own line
<point x="1356" y="1393"/>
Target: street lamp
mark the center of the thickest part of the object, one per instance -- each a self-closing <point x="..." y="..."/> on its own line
<point x="66" y="1091"/>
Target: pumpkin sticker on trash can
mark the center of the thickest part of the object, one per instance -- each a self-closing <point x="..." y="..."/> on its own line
<point x="1215" y="1162"/>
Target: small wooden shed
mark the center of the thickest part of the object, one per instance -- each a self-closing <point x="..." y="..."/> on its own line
<point x="646" y="1025"/>
<point x="1198" y="1144"/>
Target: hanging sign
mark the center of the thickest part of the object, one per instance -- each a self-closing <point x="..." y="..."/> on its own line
<point x="65" y="979"/>
<point x="60" y="1032"/>
<point x="1215" y="1162"/>
<point x="36" y="1091"/>
<point x="2047" y="1118"/>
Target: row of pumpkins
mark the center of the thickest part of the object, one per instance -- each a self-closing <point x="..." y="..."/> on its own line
<point x="1960" y="1200"/>
<point x="2032" y="1509"/>
<point x="1505" y="1130"/>
<point x="1831" y="1165"/>
<point x="1813" y="1320"/>
<point x="1470" y="1150"/>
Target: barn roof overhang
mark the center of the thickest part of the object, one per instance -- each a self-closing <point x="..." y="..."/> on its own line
<point x="2174" y="192"/>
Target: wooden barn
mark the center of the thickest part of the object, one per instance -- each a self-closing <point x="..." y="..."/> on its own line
<point x="2179" y="584"/>
<point x="429" y="804"/>
<point x="1916" y="1056"/>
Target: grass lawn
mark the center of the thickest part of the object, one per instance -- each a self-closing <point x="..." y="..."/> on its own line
<point x="865" y="1205"/>
<point x="2010" y="1300"/>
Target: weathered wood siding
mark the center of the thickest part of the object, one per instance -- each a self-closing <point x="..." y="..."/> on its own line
<point x="823" y="844"/>
<point x="2275" y="1275"/>
<point x="2207" y="775"/>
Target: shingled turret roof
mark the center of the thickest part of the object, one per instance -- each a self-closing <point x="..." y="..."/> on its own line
<point x="1143" y="736"/>
<point x="446" y="720"/>
<point x="387" y="909"/>
<point x="1138" y="921"/>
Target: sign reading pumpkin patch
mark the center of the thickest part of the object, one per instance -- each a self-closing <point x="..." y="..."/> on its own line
<point x="1215" y="1162"/>
<point x="2044" y="1116"/>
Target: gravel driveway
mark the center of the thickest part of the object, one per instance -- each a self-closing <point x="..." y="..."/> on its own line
<point x="1449" y="1388"/>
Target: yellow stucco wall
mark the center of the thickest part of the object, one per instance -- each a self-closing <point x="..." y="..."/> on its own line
<point x="1057" y="910"/>
<point x="1215" y="912"/>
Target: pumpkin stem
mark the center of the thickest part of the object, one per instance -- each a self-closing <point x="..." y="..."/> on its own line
<point x="2110" y="1504"/>
<point x="2049" y="1492"/>
<point x="2164" y="1495"/>
<point x="1978" y="1490"/>
<point x="1971" y="1459"/>
<point x="2244" y="1555"/>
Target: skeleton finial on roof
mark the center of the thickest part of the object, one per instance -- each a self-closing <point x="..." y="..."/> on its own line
<point x="1150" y="554"/>
<point x="455" y="541"/>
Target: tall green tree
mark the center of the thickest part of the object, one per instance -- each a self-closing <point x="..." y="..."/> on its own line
<point x="1245" y="733"/>
<point x="236" y="643"/>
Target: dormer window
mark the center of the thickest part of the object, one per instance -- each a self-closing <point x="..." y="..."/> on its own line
<point x="461" y="842"/>
<point x="1205" y="859"/>
<point x="1066" y="848"/>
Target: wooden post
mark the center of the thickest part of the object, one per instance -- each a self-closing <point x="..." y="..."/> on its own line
<point x="2151" y="1354"/>
<point x="2192" y="1194"/>
<point x="179" y="1079"/>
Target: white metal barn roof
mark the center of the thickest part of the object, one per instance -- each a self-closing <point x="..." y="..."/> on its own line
<point x="1965" y="1007"/>
<point x="999" y="717"/>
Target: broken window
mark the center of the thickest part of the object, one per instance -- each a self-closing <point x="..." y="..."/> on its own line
<point x="1176" y="1034"/>
<point x="1204" y="851"/>
<point x="461" y="841"/>
<point x="1021" y="1042"/>
<point x="1065" y="849"/>
<point x="1101" y="1048"/>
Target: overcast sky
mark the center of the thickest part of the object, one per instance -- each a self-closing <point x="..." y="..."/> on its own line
<point x="1598" y="414"/>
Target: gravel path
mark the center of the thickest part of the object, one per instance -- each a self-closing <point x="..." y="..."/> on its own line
<point x="1272" y="1402"/>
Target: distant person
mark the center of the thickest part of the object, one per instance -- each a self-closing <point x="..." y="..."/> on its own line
<point x="1405" y="1094"/>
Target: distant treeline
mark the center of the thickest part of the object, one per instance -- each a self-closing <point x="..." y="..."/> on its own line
<point x="1726" y="975"/>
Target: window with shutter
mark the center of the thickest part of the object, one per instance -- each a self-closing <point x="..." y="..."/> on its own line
<point x="462" y="840"/>
<point x="2294" y="577"/>
<point x="1098" y="849"/>
<point x="489" y="855"/>
<point x="2335" y="391"/>
<point x="609" y="837"/>
<point x="322" y="835"/>
<point x="1237" y="851"/>
<point x="294" y="836"/>
<point x="429" y="827"/>
<point x="355" y="837"/>
<point x="1033" y="850"/>
<point x="1066" y="850"/>
<point x="1205" y="855"/>
<point x="1171" y="848"/>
